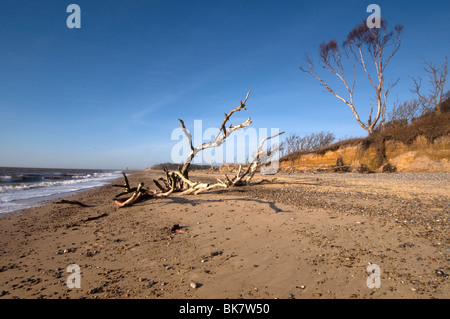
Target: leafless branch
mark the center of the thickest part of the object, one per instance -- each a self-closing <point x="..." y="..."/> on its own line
<point x="362" y="38"/>
<point x="437" y="78"/>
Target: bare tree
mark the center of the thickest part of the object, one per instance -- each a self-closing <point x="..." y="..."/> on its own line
<point x="361" y="39"/>
<point x="290" y="144"/>
<point x="178" y="180"/>
<point x="437" y="77"/>
<point x="314" y="141"/>
<point x="403" y="113"/>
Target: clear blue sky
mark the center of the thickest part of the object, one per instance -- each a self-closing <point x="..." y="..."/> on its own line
<point x="108" y="95"/>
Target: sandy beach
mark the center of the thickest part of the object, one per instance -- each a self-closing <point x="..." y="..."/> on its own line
<point x="298" y="236"/>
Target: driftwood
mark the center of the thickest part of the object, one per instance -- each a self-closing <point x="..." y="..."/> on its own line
<point x="126" y="185"/>
<point x="218" y="139"/>
<point x="178" y="180"/>
<point x="139" y="193"/>
<point x="73" y="202"/>
<point x="259" y="159"/>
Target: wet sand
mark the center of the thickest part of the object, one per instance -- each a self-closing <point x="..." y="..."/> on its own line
<point x="299" y="236"/>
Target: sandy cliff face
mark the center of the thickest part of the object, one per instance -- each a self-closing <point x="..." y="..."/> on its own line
<point x="420" y="156"/>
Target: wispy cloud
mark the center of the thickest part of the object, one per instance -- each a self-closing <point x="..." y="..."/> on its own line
<point x="170" y="97"/>
<point x="159" y="103"/>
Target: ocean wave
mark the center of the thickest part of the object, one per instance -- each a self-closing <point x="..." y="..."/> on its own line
<point x="23" y="186"/>
<point x="76" y="179"/>
<point x="21" y="195"/>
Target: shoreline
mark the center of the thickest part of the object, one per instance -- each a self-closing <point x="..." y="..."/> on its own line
<point x="40" y="186"/>
<point x="304" y="236"/>
<point x="50" y="199"/>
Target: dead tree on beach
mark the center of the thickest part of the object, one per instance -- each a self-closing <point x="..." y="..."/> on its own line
<point x="138" y="193"/>
<point x="179" y="181"/>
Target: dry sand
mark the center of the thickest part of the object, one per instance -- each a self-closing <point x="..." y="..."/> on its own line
<point x="301" y="236"/>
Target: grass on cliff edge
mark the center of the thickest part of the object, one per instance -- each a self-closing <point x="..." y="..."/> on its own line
<point x="430" y="126"/>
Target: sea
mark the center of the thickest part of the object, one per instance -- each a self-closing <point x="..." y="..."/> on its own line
<point x="22" y="188"/>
